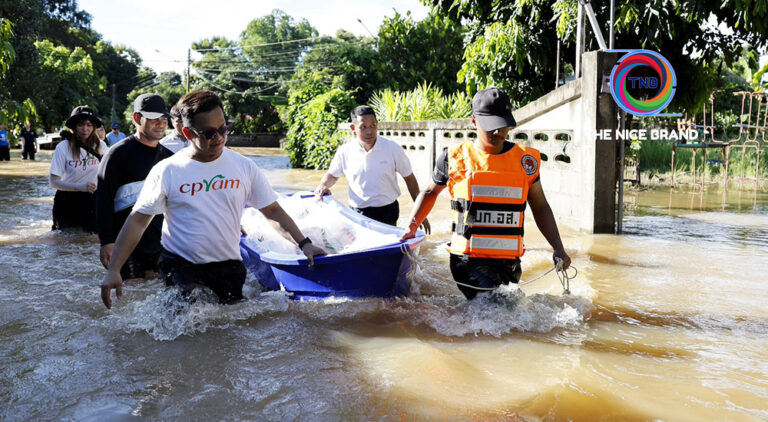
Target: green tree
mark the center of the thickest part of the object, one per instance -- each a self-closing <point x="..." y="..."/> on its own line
<point x="71" y="81"/>
<point x="63" y="24"/>
<point x="12" y="113"/>
<point x="344" y="61"/>
<point x="312" y="116"/>
<point x="251" y="74"/>
<point x="413" y="52"/>
<point x="512" y="44"/>
<point x="274" y="44"/>
<point x="37" y="20"/>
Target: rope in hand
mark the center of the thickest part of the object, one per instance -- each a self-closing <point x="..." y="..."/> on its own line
<point x="562" y="274"/>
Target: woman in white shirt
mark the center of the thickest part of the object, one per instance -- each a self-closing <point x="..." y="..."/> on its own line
<point x="74" y="169"/>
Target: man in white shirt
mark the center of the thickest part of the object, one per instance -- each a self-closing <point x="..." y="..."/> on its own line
<point x="175" y="140"/>
<point x="115" y="136"/>
<point x="369" y="163"/>
<point x="202" y="191"/>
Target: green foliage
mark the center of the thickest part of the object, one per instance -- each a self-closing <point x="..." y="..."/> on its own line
<point x="7" y="54"/>
<point x="759" y="79"/>
<point x="345" y="60"/>
<point x="500" y="44"/>
<point x="71" y="81"/>
<point x="276" y="42"/>
<point x="12" y="113"/>
<point x="425" y="102"/>
<point x="312" y="120"/>
<point x="64" y="25"/>
<point x="512" y="44"/>
<point x="336" y="74"/>
<point x="251" y="73"/>
<point x="412" y="52"/>
<point x="655" y="158"/>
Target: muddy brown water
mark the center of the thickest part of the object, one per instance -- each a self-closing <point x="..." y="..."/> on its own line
<point x="666" y="322"/>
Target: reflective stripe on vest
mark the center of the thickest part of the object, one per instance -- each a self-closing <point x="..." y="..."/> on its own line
<point x="127" y="195"/>
<point x="497" y="192"/>
<point x="489" y="195"/>
<point x="477" y="242"/>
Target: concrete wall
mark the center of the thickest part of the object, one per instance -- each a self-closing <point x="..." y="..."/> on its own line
<point x="578" y="172"/>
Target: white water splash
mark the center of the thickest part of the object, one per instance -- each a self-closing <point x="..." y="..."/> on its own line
<point x="507" y="310"/>
<point x="166" y="316"/>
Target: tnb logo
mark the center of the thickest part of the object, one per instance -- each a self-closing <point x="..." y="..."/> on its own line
<point x="665" y="82"/>
<point x="649" y="82"/>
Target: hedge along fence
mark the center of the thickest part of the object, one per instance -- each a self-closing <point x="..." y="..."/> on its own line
<point x="425" y="102"/>
<point x="312" y="138"/>
<point x="655" y="158"/>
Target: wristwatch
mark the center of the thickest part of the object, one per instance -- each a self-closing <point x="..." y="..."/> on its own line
<point x="304" y="242"/>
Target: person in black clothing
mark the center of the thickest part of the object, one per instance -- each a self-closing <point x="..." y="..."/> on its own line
<point x="121" y="175"/>
<point x="29" y="147"/>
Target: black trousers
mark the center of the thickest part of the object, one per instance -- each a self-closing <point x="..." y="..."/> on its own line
<point x="138" y="263"/>
<point x="72" y="210"/>
<point x="29" y="151"/>
<point x="387" y="214"/>
<point x="483" y="272"/>
<point x="5" y="153"/>
<point x="225" y="278"/>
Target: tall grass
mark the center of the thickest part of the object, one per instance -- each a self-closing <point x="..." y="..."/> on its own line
<point x="424" y="102"/>
<point x="655" y="157"/>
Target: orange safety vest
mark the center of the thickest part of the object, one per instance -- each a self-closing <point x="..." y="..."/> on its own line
<point x="488" y="197"/>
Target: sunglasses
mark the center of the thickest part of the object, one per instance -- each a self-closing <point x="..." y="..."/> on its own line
<point x="211" y="134"/>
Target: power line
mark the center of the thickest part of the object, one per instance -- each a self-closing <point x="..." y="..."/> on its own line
<point x="255" y="45"/>
<point x="232" y="78"/>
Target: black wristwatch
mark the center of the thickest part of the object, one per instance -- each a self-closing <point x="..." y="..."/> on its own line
<point x="304" y="242"/>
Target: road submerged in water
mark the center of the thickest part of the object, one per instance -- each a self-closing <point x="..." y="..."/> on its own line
<point x="666" y="322"/>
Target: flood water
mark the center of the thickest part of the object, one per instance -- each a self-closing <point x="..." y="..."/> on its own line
<point x="666" y="322"/>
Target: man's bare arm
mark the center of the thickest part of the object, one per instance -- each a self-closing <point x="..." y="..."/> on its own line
<point x="127" y="240"/>
<point x="545" y="221"/>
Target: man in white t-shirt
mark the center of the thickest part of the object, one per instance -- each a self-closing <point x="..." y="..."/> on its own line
<point x="369" y="163"/>
<point x="202" y="191"/>
<point x="175" y="140"/>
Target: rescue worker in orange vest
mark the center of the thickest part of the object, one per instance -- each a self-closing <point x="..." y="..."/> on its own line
<point x="490" y="181"/>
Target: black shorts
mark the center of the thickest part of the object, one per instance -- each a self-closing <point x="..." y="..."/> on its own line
<point x="74" y="210"/>
<point x="387" y="214"/>
<point x="483" y="272"/>
<point x="225" y="278"/>
<point x="138" y="263"/>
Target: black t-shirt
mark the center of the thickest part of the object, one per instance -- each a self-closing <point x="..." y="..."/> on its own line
<point x="440" y="173"/>
<point x="126" y="162"/>
<point x="28" y="135"/>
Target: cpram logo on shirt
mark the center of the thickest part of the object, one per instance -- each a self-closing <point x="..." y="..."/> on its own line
<point x="218" y="182"/>
<point x="90" y="161"/>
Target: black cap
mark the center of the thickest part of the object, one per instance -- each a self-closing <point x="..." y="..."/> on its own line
<point x="81" y="113"/>
<point x="151" y="106"/>
<point x="492" y="110"/>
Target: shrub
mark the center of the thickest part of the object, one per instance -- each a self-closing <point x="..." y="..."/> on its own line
<point x="312" y="139"/>
<point x="425" y="102"/>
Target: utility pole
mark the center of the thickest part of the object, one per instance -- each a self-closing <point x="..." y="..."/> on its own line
<point x="557" y="65"/>
<point x="610" y="28"/>
<point x="189" y="63"/>
<point x="114" y="94"/>
<point x="579" y="41"/>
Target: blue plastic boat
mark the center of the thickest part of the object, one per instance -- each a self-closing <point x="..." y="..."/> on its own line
<point x="376" y="272"/>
